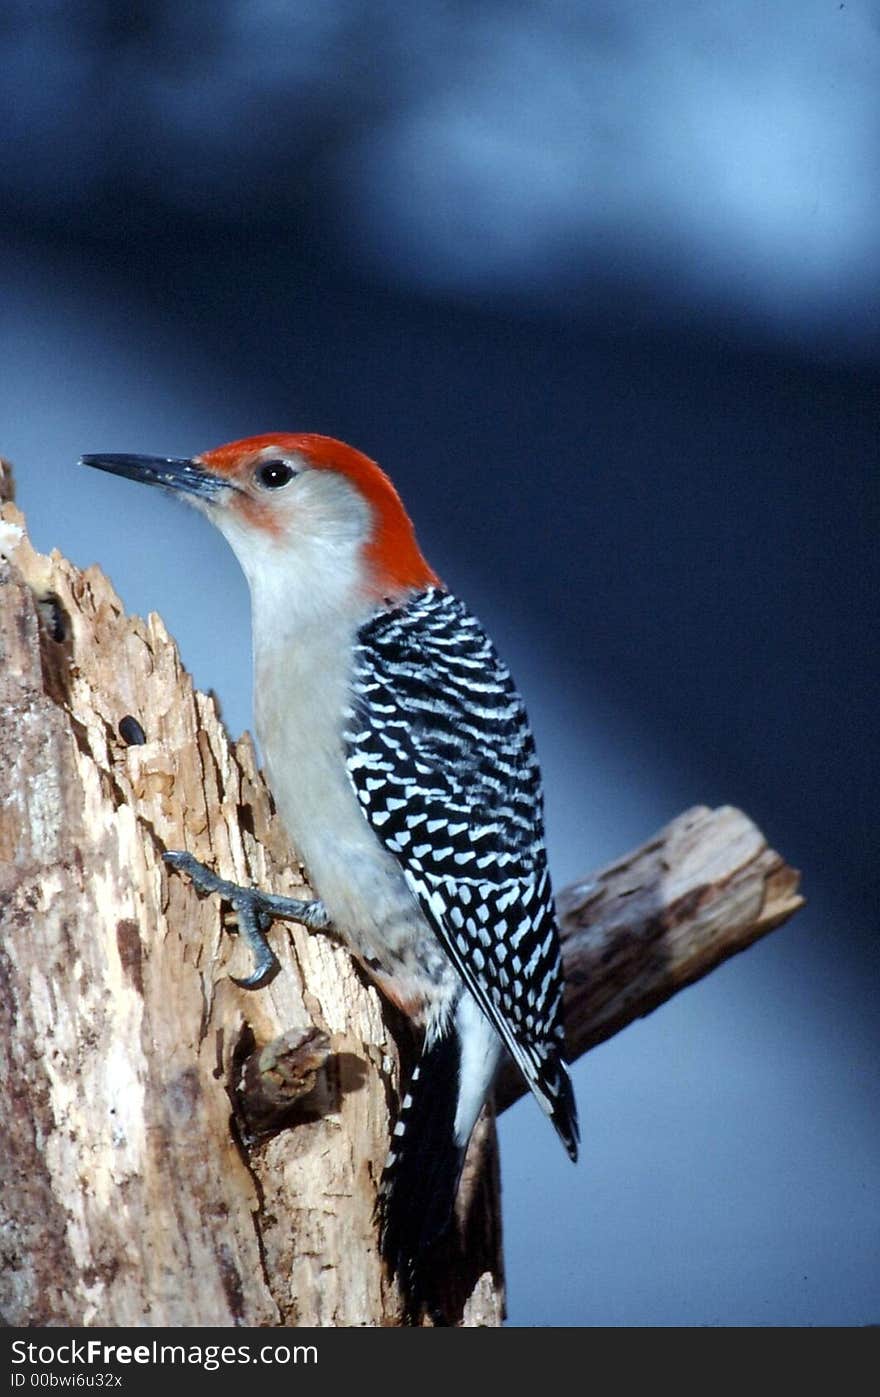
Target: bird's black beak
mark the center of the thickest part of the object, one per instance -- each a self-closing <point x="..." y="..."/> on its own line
<point x="184" y="477"/>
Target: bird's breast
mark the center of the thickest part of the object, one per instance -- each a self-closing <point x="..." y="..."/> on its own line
<point x="299" y="709"/>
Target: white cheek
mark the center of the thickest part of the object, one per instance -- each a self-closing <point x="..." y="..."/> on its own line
<point x="327" y="507"/>
<point x="312" y="568"/>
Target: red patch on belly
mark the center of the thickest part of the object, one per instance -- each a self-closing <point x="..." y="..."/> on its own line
<point x="401" y="993"/>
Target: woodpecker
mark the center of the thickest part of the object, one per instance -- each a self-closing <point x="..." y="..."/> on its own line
<point x="403" y="767"/>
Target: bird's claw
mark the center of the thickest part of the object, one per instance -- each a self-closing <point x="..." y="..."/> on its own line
<point x="252" y="927"/>
<point x="255" y="911"/>
<point x="251" y="914"/>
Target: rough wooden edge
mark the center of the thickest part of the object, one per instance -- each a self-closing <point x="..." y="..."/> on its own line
<point x="705" y="887"/>
<point x="143" y="1179"/>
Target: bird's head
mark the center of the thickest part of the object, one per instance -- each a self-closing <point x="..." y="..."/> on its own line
<point x="293" y="502"/>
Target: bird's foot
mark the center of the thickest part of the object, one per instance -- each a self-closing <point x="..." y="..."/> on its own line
<point x="254" y="910"/>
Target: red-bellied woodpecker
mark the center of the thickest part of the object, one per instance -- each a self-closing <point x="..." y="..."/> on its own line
<point x="403" y="767"/>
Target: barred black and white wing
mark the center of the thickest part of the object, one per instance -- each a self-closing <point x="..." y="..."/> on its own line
<point x="442" y="759"/>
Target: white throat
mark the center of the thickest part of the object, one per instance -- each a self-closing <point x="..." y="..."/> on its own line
<point x="308" y="599"/>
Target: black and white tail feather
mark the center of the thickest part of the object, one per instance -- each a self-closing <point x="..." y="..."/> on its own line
<point x="421" y="1174"/>
<point x="442" y="759"/>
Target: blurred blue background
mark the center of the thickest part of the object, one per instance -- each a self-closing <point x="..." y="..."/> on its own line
<point x="599" y="285"/>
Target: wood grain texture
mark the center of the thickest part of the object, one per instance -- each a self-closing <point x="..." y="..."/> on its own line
<point x="178" y="1150"/>
<point x="127" y="1195"/>
<point x="705" y="887"/>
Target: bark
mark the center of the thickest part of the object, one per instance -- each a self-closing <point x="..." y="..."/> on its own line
<point x="178" y="1150"/>
<point x="705" y="887"/>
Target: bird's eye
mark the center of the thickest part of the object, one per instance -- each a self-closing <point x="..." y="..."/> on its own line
<point x="273" y="474"/>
